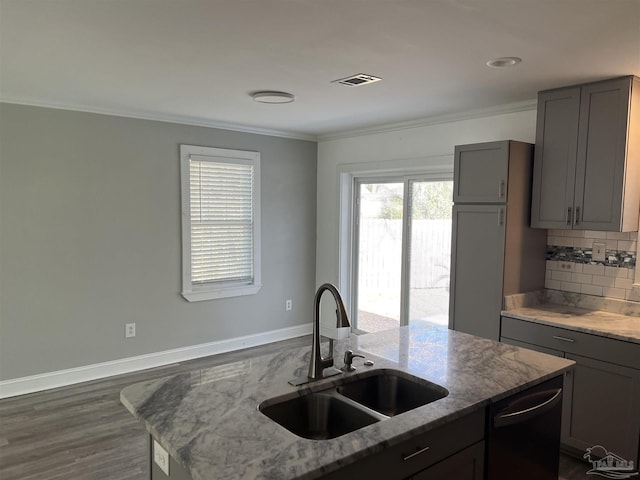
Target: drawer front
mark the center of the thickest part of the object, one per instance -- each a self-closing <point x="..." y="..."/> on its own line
<point x="531" y="346"/>
<point x="556" y="338"/>
<point x="422" y="451"/>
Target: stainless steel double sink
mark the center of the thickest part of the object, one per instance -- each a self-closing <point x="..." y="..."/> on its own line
<point x="351" y="404"/>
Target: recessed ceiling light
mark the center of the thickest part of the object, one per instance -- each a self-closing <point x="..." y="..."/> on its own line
<point x="503" y="62"/>
<point x="273" y="97"/>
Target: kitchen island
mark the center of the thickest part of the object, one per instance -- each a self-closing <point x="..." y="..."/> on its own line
<point x="209" y="422"/>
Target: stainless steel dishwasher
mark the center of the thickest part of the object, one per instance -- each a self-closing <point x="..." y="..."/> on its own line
<point x="523" y="434"/>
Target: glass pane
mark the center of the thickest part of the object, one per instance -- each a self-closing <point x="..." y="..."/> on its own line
<point x="430" y="251"/>
<point x="379" y="256"/>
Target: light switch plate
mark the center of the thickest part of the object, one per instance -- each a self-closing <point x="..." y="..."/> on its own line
<point x="161" y="457"/>
<point x="599" y="251"/>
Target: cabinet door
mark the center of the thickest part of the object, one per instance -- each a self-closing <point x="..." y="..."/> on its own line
<point x="480" y="173"/>
<point x="465" y="465"/>
<point x="477" y="258"/>
<point x="605" y="407"/>
<point x="555" y="158"/>
<point x="601" y="156"/>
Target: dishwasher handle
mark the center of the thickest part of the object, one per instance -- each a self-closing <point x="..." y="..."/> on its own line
<point x="505" y="417"/>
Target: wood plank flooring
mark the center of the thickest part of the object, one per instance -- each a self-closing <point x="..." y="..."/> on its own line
<point x="83" y="431"/>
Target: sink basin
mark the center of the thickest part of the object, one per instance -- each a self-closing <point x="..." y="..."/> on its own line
<point x="353" y="404"/>
<point x="392" y="393"/>
<point x="318" y="416"/>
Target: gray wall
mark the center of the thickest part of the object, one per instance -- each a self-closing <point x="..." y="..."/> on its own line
<point x="90" y="239"/>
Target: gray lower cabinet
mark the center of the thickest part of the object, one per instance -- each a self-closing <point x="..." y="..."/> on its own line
<point x="605" y="407"/>
<point x="465" y="465"/>
<point x="437" y="449"/>
<point x="601" y="404"/>
<point x="587" y="158"/>
<point x="477" y="269"/>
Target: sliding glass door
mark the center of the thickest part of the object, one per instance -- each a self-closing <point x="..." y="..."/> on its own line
<point x="402" y="249"/>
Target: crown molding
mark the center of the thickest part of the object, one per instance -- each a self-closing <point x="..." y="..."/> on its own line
<point x="348" y="133"/>
<point x="435" y="120"/>
<point x="183" y="120"/>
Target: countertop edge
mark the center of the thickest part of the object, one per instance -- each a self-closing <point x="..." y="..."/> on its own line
<point x="531" y="316"/>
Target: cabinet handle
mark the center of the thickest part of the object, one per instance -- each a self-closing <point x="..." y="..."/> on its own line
<point x="564" y="339"/>
<point x="577" y="215"/>
<point x="568" y="215"/>
<point x="500" y="217"/>
<point x="501" y="189"/>
<point x="414" y="454"/>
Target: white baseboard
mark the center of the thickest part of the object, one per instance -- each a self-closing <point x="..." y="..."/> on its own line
<point x="62" y="378"/>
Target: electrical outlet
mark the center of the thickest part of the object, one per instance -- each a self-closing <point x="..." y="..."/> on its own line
<point x="129" y="330"/>
<point x="288" y="305"/>
<point x="599" y="251"/>
<point x="161" y="457"/>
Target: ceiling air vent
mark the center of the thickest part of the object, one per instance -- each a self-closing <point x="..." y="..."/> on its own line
<point x="357" y="80"/>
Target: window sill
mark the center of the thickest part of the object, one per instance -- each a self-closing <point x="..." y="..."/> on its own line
<point x="213" y="294"/>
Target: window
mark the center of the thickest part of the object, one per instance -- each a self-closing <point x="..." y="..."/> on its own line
<point x="220" y="222"/>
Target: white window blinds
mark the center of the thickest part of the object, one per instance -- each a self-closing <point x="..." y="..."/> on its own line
<point x="220" y="222"/>
<point x="221" y="198"/>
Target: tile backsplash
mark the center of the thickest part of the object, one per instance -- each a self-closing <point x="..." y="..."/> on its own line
<point x="570" y="266"/>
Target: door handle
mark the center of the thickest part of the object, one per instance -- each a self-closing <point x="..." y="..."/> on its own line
<point x="511" y="418"/>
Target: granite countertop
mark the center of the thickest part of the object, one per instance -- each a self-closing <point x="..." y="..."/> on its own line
<point x="595" y="322"/>
<point x="604" y="317"/>
<point x="209" y="422"/>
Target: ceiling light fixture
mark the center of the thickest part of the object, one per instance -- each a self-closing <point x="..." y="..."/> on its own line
<point x="272" y="97"/>
<point x="504" y="62"/>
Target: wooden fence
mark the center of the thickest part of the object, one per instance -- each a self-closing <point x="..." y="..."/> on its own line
<point x="381" y="246"/>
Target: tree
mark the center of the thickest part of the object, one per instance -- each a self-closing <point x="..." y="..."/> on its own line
<point x="431" y="200"/>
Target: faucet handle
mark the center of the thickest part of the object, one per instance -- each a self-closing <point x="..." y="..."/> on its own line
<point x="348" y="361"/>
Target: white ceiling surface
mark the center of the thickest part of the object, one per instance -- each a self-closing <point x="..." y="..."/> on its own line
<point x="196" y="61"/>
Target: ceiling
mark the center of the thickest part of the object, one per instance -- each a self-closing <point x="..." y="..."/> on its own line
<point x="196" y="61"/>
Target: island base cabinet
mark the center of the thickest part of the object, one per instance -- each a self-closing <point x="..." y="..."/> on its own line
<point x="421" y="453"/>
<point x="605" y="407"/>
<point x="176" y="471"/>
<point x="465" y="465"/>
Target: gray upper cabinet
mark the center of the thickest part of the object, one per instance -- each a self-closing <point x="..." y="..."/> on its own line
<point x="587" y="157"/>
<point x="480" y="173"/>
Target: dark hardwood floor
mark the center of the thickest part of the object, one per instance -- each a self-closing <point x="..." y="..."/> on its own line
<point x="84" y="432"/>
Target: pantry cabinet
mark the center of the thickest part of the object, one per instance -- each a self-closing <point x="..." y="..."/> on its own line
<point x="493" y="251"/>
<point x="587" y="157"/>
